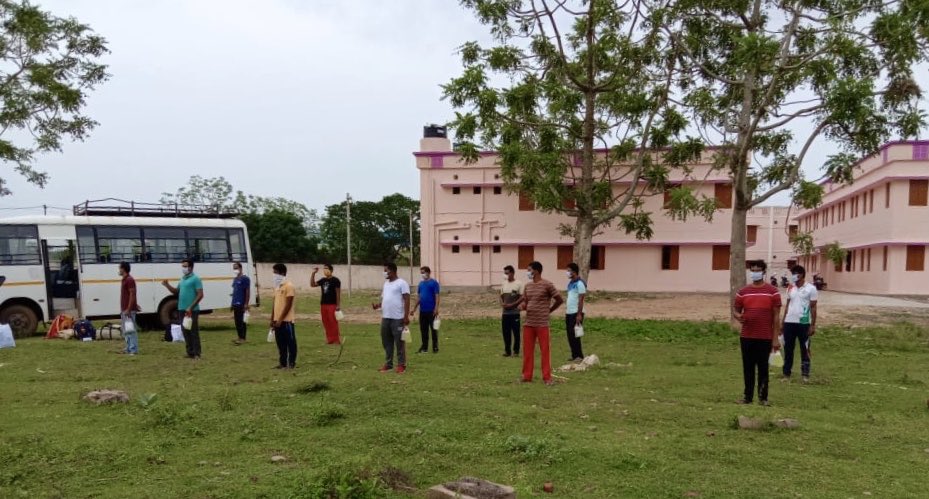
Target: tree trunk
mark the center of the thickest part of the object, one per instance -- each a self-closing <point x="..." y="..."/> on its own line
<point x="583" y="240"/>
<point x="737" y="251"/>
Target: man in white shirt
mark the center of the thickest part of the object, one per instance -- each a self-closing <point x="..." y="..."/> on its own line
<point x="395" y="315"/>
<point x="799" y="321"/>
<point x="574" y="313"/>
<point x="510" y="293"/>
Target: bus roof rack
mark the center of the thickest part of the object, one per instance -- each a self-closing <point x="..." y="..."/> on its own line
<point x="112" y="207"/>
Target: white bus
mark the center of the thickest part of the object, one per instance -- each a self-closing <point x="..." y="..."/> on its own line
<point x="69" y="264"/>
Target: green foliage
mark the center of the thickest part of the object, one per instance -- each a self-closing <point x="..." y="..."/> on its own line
<point x="49" y="65"/>
<point x="836" y="253"/>
<point x="280" y="236"/>
<point x="380" y="230"/>
<point x="575" y="98"/>
<point x="802" y="243"/>
<point x="527" y="449"/>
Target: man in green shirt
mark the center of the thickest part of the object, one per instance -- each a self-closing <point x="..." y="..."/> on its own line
<point x="189" y="292"/>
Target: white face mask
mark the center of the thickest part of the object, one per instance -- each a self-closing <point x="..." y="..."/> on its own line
<point x="756" y="276"/>
<point x="794" y="278"/>
<point x="185" y="270"/>
<point x="530" y="275"/>
<point x="424" y="276"/>
<point x="386" y="275"/>
<point x="236" y="272"/>
<point x="570" y="275"/>
<point x="278" y="280"/>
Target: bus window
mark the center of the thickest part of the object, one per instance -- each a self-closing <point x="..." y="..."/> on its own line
<point x="208" y="245"/>
<point x="19" y="245"/>
<point x="237" y="240"/>
<point x="163" y="245"/>
<point x="86" y="244"/>
<point x="119" y="244"/>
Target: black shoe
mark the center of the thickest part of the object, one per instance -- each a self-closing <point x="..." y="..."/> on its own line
<point x="507" y="354"/>
<point x="422" y="350"/>
<point x="435" y="350"/>
<point x="743" y="401"/>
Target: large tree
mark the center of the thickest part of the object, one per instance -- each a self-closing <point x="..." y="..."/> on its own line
<point x="48" y="65"/>
<point x="380" y="230"/>
<point x="574" y="95"/>
<point x="767" y="80"/>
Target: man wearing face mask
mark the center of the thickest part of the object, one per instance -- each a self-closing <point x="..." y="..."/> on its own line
<point x="757" y="306"/>
<point x="241" y="297"/>
<point x="799" y="321"/>
<point x="510" y="293"/>
<point x="189" y="292"/>
<point x="395" y="315"/>
<point x="129" y="307"/>
<point x="330" y="302"/>
<point x="574" y="313"/>
<point x="283" y="315"/>
<point x="540" y="299"/>
<point x="427" y="301"/>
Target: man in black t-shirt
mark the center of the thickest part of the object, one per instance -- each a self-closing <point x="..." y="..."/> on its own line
<point x="330" y="302"/>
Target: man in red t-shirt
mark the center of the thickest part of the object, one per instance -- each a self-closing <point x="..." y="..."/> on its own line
<point x="128" y="306"/>
<point x="757" y="306"/>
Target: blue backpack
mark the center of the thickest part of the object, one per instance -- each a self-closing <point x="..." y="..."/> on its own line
<point x="84" y="329"/>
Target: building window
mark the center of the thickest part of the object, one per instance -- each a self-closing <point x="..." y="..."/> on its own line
<point x="919" y="188"/>
<point x="477" y="190"/>
<point x="751" y="234"/>
<point x="456" y="249"/>
<point x="832" y="209"/>
<point x="915" y="258"/>
<point x="498" y="190"/>
<point x="670" y="256"/>
<point x="871" y="201"/>
<point x="497" y="248"/>
<point x="838" y="266"/>
<point x="885" y="258"/>
<point x="849" y="256"/>
<point x="887" y="195"/>
<point x="667" y="195"/>
<point x="723" y="193"/>
<point x="721" y="257"/>
<point x="869" y="259"/>
<point x="456" y="190"/>
<point x="597" y="257"/>
<point x="861" y="263"/>
<point x="525" y="202"/>
<point x="475" y="249"/>
<point x="565" y="256"/>
<point x="526" y="256"/>
<point x="792" y="231"/>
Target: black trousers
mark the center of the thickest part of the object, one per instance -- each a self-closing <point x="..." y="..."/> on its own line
<point x="794" y="333"/>
<point x="238" y="313"/>
<point x="286" y="338"/>
<point x="192" y="335"/>
<point x="755" y="354"/>
<point x="511" y="333"/>
<point x="426" y="321"/>
<point x="577" y="352"/>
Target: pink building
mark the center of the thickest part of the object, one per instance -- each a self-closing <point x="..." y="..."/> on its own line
<point x="768" y="236"/>
<point x="472" y="228"/>
<point x="882" y="219"/>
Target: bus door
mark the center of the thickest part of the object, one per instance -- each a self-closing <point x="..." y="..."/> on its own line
<point x="62" y="283"/>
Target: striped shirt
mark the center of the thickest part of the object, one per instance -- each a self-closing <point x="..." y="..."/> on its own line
<point x="759" y="306"/>
<point x="539" y="296"/>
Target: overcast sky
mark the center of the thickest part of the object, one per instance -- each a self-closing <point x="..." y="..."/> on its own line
<point x="306" y="100"/>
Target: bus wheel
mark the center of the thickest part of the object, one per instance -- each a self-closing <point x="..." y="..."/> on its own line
<point x="22" y="320"/>
<point x="166" y="311"/>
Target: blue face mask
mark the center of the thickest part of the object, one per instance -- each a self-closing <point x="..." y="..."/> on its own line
<point x="756" y="276"/>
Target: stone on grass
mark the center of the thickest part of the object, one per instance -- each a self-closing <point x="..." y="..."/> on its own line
<point x="278" y="459"/>
<point x="747" y="423"/>
<point x="100" y="397"/>
<point x="787" y="424"/>
<point x="471" y="488"/>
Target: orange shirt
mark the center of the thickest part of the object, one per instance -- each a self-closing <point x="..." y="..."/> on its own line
<point x="286" y="290"/>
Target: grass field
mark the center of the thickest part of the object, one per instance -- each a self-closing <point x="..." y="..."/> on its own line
<point x="655" y="420"/>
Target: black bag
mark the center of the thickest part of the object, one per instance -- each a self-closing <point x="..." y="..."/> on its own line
<point x="84" y="329"/>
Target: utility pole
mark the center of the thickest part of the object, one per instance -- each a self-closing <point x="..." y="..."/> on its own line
<point x="348" y="236"/>
<point x="411" y="247"/>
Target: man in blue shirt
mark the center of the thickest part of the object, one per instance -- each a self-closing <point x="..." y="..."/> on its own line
<point x="574" y="314"/>
<point x="427" y="302"/>
<point x="241" y="297"/>
<point x="189" y="292"/>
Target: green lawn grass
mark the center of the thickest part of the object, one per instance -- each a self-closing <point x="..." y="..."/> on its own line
<point x="655" y="420"/>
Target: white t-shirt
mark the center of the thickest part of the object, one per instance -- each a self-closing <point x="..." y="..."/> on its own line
<point x="392" y="298"/>
<point x="798" y="310"/>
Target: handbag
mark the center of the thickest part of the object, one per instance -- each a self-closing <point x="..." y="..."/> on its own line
<point x="177" y="334"/>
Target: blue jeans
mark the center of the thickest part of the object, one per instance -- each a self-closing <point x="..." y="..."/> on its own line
<point x="132" y="339"/>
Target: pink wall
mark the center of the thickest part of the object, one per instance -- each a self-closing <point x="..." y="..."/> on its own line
<point x="895" y="226"/>
<point x="487" y="219"/>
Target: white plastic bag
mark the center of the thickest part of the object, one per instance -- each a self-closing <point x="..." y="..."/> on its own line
<point x="776" y="359"/>
<point x="339" y="315"/>
<point x="271" y="335"/>
<point x="6" y="336"/>
<point x="405" y="336"/>
<point x="128" y="326"/>
<point x="188" y="322"/>
<point x="245" y="317"/>
<point x="177" y="334"/>
<point x="578" y="330"/>
<point x="437" y="323"/>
